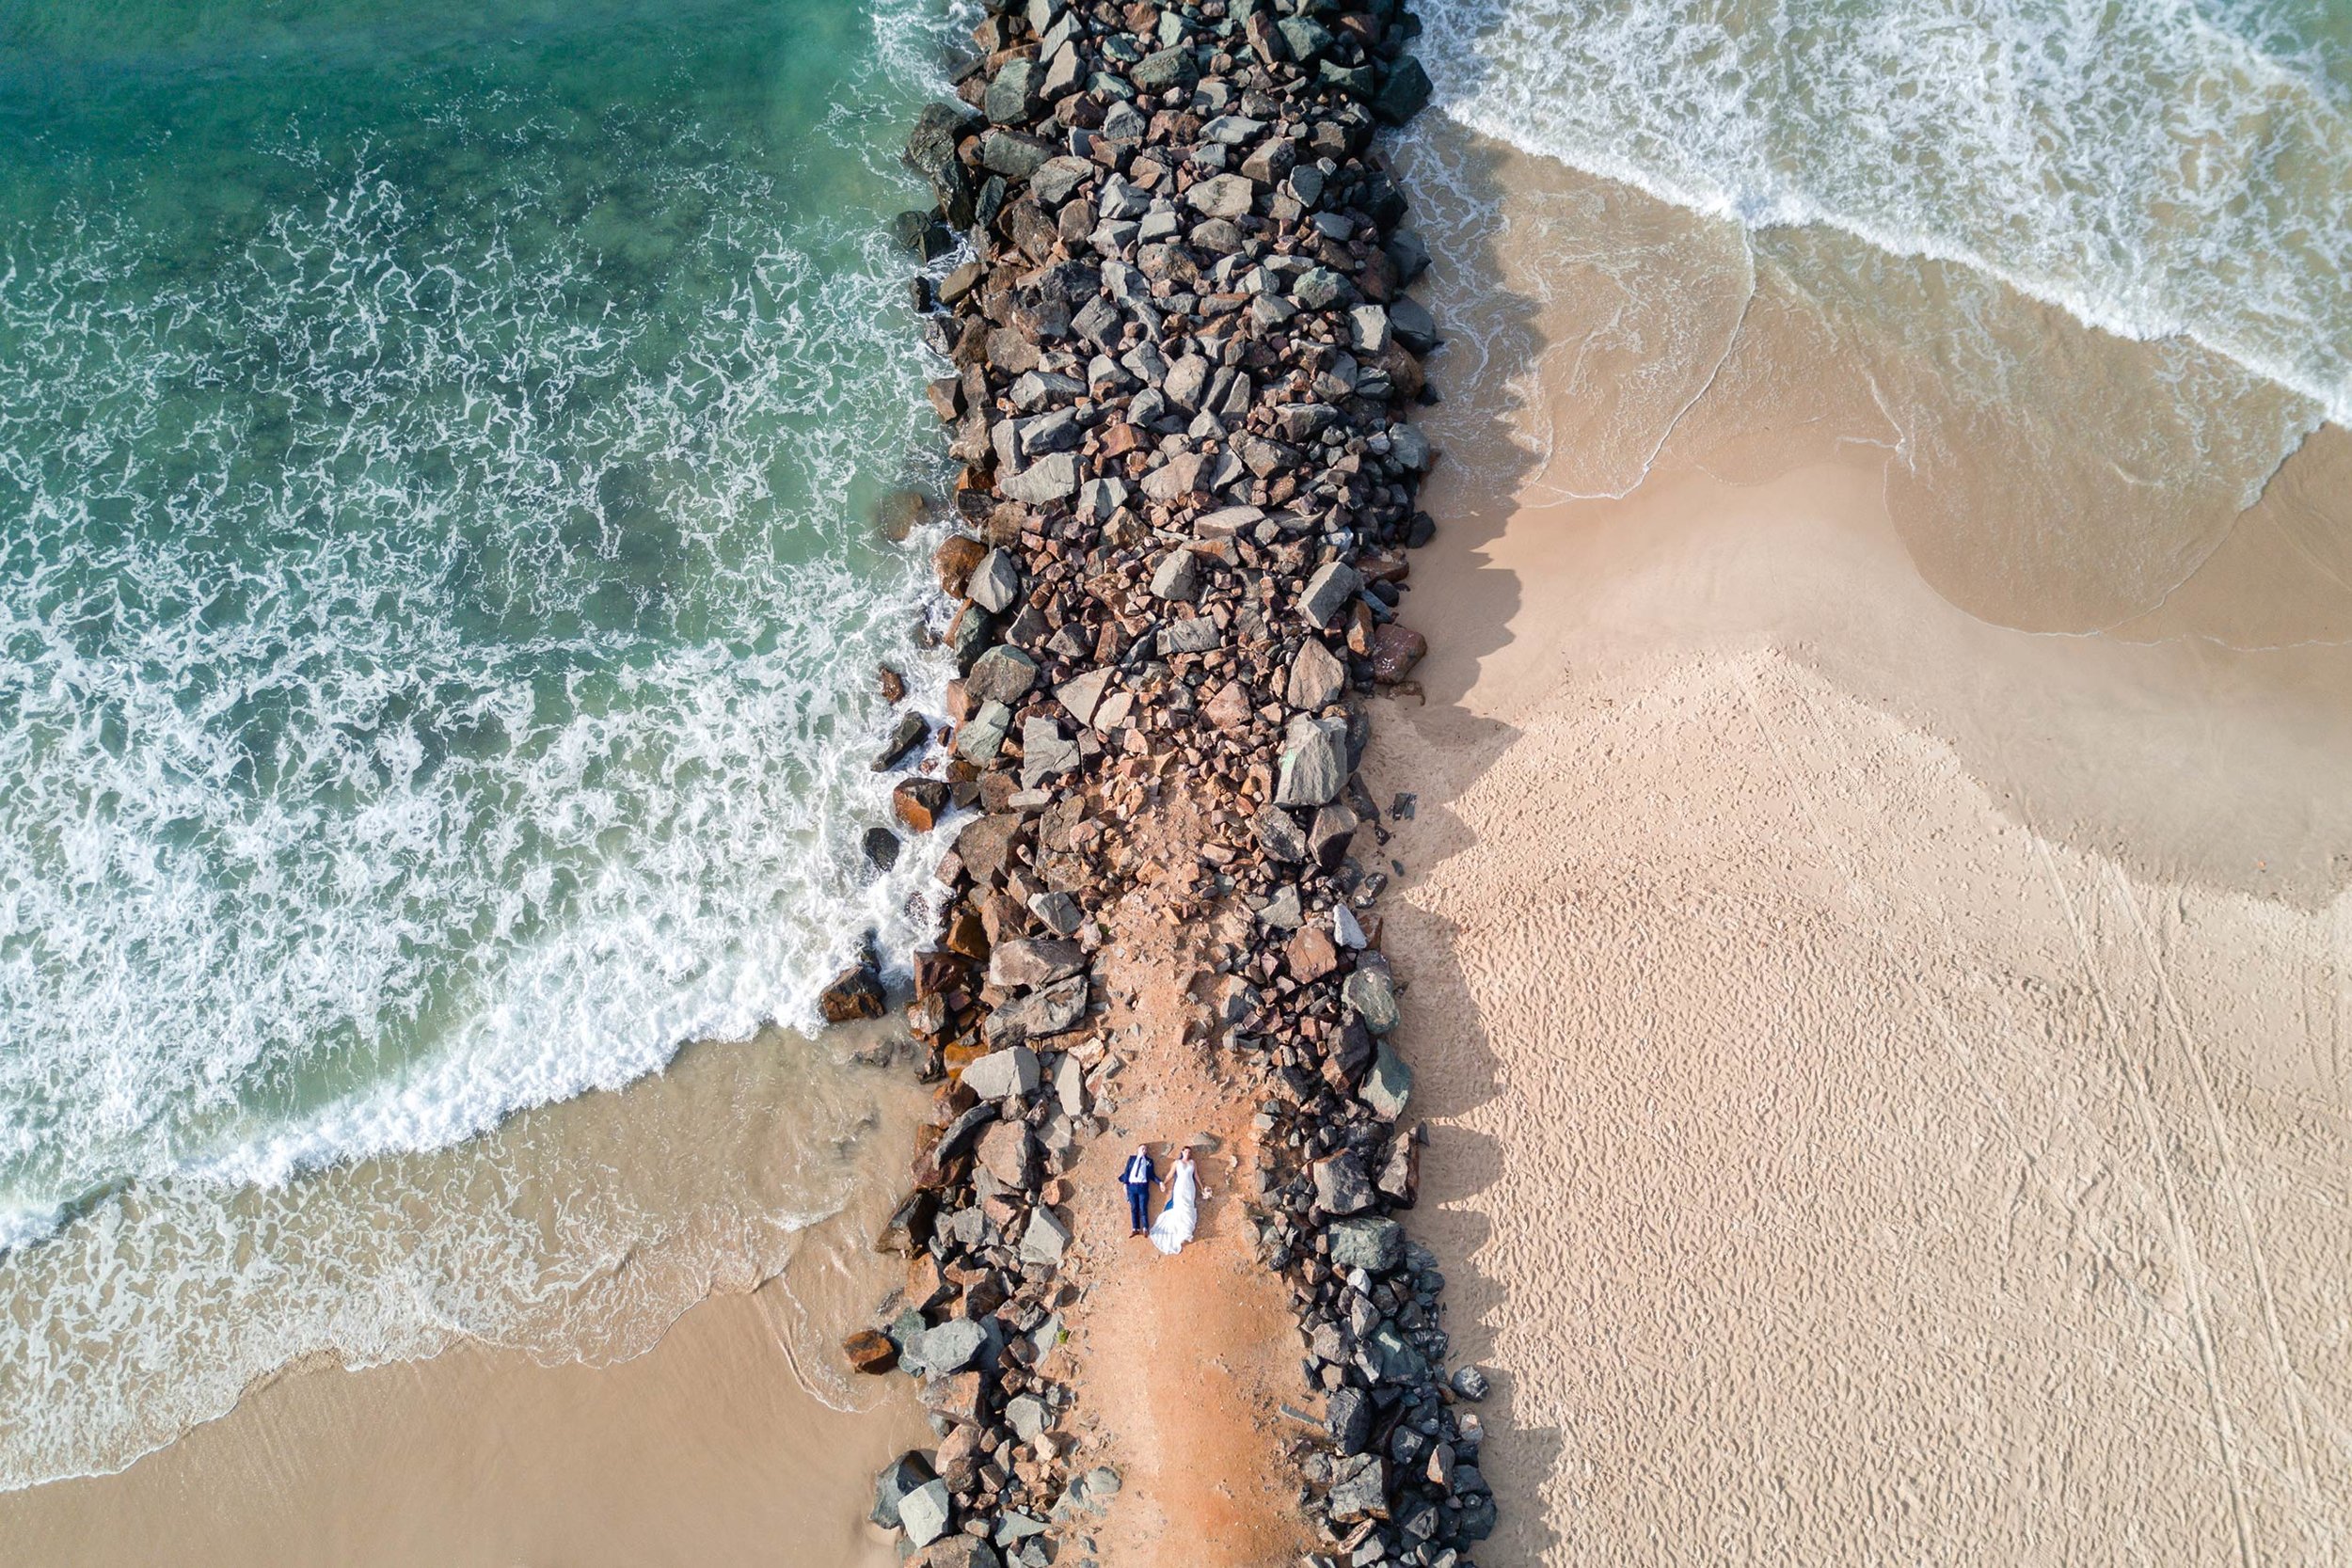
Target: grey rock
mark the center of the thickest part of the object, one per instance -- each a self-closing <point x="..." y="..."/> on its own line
<point x="1404" y="93"/>
<point x="1050" y="1011"/>
<point x="1186" y="380"/>
<point x="1045" y="1240"/>
<point x="899" y="1477"/>
<point x="909" y="732"/>
<point x="1386" y="1357"/>
<point x="1282" y="911"/>
<point x="1010" y="1072"/>
<point x="1387" y="1086"/>
<point x="951" y="1347"/>
<point x="1470" y="1383"/>
<point x="1045" y="751"/>
<point x="1278" y="834"/>
<point x="1169" y="68"/>
<point x="1049" y="478"/>
<point x="982" y="735"/>
<point x="1222" y="196"/>
<point x="1304" y="37"/>
<point x="1057" y="913"/>
<point x="1368" y="329"/>
<point x="1348" y="1414"/>
<point x="1413" y="324"/>
<point x="1409" y="446"/>
<point x="1316" y="677"/>
<point x="1069" y="1086"/>
<point x="1025" y="963"/>
<point x="1371" y="995"/>
<point x="1320" y="288"/>
<point x="1054" y="431"/>
<point x="1013" y="96"/>
<point x="1081" y="695"/>
<point x="1360" y="1489"/>
<point x="1314" y="762"/>
<point x="994" y="583"/>
<point x="1177" y="578"/>
<point x="1196" y="636"/>
<point x="1028" y="1416"/>
<point x="1002" y="674"/>
<point x="1011" y="156"/>
<point x="1340" y="1186"/>
<point x="1328" y="591"/>
<point x="1376" y="1245"/>
<point x="923" y="1513"/>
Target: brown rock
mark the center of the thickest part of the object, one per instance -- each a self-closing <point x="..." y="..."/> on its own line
<point x="1311" y="955"/>
<point x="869" y="1351"/>
<point x="954" y="560"/>
<point x="1395" y="649"/>
<point x="965" y="934"/>
<point x="919" y="803"/>
<point x="894" y="685"/>
<point x="956" y="1398"/>
<point x="1007" y="1153"/>
<point x="1230" y="709"/>
<point x="855" y="993"/>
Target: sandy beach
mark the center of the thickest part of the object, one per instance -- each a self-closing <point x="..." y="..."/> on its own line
<point x="1887" y="1066"/>
<point x="736" y="1435"/>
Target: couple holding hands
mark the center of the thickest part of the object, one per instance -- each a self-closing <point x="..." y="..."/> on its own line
<point x="1174" y="1226"/>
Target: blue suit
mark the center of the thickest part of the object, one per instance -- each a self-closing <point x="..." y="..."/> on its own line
<point x="1138" y="1178"/>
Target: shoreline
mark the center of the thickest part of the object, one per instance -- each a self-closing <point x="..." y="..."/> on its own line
<point x="1184" y="354"/>
<point x="1881" y="1063"/>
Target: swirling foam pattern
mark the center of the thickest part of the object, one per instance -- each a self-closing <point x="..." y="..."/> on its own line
<point x="2154" y="167"/>
<point x="440" y="593"/>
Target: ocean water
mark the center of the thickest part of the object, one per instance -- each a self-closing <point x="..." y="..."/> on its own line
<point x="440" y="593"/>
<point x="2084" y="266"/>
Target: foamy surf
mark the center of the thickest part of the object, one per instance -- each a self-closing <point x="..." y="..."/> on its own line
<point x="2153" y="169"/>
<point x="439" y="604"/>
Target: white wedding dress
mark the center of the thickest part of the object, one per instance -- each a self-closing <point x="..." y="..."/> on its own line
<point x="1173" y="1228"/>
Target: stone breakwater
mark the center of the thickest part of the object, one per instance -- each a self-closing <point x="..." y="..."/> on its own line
<point x="1182" y="349"/>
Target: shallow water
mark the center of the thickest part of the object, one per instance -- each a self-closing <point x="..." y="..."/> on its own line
<point x="2079" y="269"/>
<point x="440" y="600"/>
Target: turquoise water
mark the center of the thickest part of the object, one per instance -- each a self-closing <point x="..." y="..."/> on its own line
<point x="439" y="593"/>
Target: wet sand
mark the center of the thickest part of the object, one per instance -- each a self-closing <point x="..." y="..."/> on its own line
<point x="738" y="1436"/>
<point x="1887" y="1068"/>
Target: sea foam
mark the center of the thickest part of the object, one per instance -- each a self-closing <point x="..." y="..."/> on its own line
<point x="2152" y="168"/>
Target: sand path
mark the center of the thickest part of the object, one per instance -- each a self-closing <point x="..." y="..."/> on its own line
<point x="1185" y="1360"/>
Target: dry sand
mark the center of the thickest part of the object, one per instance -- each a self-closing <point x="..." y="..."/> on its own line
<point x="1888" y="1070"/>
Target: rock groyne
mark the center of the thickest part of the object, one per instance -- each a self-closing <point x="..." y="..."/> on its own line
<point x="1182" y="349"/>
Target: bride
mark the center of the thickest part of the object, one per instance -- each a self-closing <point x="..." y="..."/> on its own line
<point x="1175" y="1225"/>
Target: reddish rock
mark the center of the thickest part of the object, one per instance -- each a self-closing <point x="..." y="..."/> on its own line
<point x="954" y="560"/>
<point x="1395" y="649"/>
<point x="856" y="992"/>
<point x="919" y="803"/>
<point x="1311" y="955"/>
<point x="869" y="1351"/>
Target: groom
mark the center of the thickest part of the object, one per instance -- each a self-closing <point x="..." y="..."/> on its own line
<point x="1137" y="1179"/>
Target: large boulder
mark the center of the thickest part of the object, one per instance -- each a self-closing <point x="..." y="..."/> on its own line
<point x="1050" y="1011"/>
<point x="1388" y="1088"/>
<point x="1316" y="678"/>
<point x="899" y="1477"/>
<point x="925" y="1511"/>
<point x="1314" y="762"/>
<point x="1360" y="1489"/>
<point x="1374" y="1245"/>
<point x="1001" y="1074"/>
<point x="1026" y="962"/>
<point x="1341" y="1187"/>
